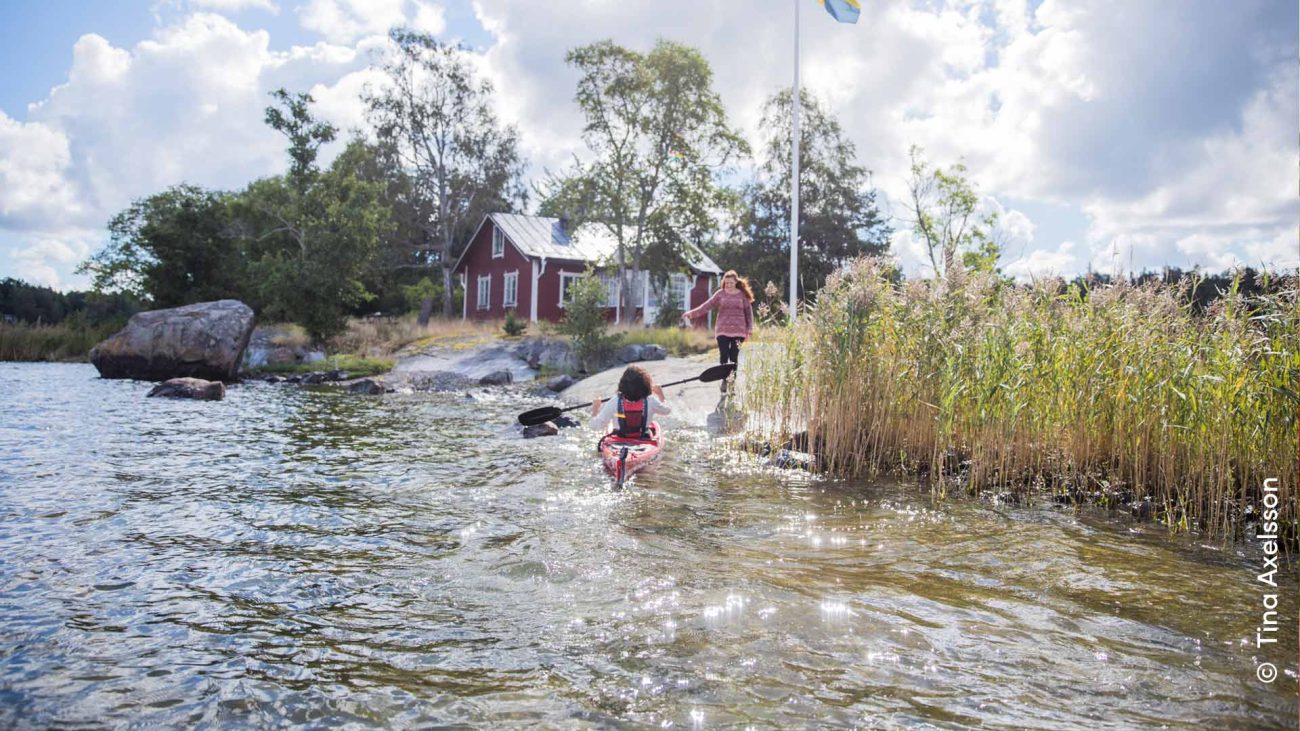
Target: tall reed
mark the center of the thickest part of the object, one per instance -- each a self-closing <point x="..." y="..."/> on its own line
<point x="62" y="342"/>
<point x="1122" y="394"/>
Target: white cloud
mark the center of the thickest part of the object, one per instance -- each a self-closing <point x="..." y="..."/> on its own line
<point x="232" y="6"/>
<point x="1170" y="125"/>
<point x="49" y="258"/>
<point x="343" y="21"/>
<point x="34" y="160"/>
<point x="1042" y="263"/>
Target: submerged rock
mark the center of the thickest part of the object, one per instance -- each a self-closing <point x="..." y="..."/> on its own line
<point x="204" y="340"/>
<point x="560" y="382"/>
<point x="497" y="378"/>
<point x="194" y="388"/>
<point x="366" y="386"/>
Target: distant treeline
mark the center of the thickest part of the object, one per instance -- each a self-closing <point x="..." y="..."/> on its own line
<point x="1203" y="289"/>
<point x="32" y="304"/>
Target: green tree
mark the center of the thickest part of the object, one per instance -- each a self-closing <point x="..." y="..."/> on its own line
<point x="584" y="319"/>
<point x="310" y="236"/>
<point x="436" y="117"/>
<point x="944" y="207"/>
<point x="402" y="258"/>
<point x="658" y="139"/>
<point x="306" y="134"/>
<point x="839" y="218"/>
<point x="171" y="248"/>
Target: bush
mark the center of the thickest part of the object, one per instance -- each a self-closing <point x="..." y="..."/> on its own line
<point x="584" y="319"/>
<point x="514" y="326"/>
<point x="668" y="316"/>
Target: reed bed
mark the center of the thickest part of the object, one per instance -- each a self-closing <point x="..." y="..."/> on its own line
<point x="62" y="342"/>
<point x="1121" y="395"/>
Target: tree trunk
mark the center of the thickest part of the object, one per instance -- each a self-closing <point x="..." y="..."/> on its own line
<point x="426" y="311"/>
<point x="446" y="292"/>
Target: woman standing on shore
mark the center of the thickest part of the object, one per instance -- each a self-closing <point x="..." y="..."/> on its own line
<point x="734" y="303"/>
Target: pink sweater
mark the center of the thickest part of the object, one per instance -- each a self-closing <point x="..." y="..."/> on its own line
<point x="735" y="313"/>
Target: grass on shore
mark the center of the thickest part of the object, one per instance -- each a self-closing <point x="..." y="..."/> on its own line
<point x="677" y="341"/>
<point x="1121" y="395"/>
<point x="62" y="343"/>
<point x="356" y="366"/>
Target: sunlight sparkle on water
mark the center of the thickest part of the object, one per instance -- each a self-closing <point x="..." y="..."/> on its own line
<point x="835" y="609"/>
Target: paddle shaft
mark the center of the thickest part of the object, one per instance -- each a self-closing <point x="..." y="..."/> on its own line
<point x="538" y="416"/>
<point x="663" y="385"/>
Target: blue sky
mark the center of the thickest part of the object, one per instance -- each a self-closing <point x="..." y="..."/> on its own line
<point x="1107" y="136"/>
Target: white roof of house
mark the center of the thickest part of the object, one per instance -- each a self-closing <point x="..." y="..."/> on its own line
<point x="539" y="236"/>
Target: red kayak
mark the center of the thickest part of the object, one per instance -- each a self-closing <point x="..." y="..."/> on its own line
<point x="626" y="456"/>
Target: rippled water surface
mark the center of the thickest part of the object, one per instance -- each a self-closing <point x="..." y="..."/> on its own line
<point x="306" y="557"/>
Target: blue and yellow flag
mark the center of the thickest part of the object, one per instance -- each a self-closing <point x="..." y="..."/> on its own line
<point x="845" y="11"/>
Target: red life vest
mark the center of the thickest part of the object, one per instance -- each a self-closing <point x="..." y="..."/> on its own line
<point x="631" y="419"/>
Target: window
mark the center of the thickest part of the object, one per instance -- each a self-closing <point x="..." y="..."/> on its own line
<point x="498" y="243"/>
<point x="510" y="290"/>
<point x="678" y="291"/>
<point x="610" y="280"/>
<point x="566" y="279"/>
<point x="485" y="291"/>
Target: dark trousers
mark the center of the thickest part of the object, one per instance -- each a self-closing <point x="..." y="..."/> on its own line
<point x="729" y="349"/>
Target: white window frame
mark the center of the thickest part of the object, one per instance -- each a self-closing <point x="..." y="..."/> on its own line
<point x="510" y="289"/>
<point x="675" y="280"/>
<point x="612" y="282"/>
<point x="498" y="243"/>
<point x="563" y="276"/>
<point x="484" y="291"/>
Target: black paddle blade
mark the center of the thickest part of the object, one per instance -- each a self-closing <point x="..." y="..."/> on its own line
<point x="538" y="416"/>
<point x="717" y="372"/>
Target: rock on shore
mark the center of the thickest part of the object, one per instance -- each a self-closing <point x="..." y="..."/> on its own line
<point x="204" y="340"/>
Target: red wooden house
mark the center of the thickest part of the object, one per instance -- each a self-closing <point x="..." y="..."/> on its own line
<point x="526" y="263"/>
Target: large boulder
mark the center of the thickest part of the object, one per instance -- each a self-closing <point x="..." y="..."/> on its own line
<point x="195" y="388"/>
<point x="552" y="353"/>
<point x="628" y="354"/>
<point x="653" y="351"/>
<point x="204" y="340"/>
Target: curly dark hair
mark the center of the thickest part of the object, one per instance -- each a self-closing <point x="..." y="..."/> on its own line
<point x="635" y="384"/>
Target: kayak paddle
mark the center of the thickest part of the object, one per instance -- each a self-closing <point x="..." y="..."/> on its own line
<point x="546" y="413"/>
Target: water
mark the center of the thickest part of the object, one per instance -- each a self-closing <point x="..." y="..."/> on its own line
<point x="306" y="557"/>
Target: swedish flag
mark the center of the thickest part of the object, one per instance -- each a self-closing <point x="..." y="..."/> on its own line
<point x="845" y="11"/>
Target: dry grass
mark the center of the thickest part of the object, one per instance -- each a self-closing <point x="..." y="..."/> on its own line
<point x="378" y="338"/>
<point x="1120" y="395"/>
<point x="676" y="340"/>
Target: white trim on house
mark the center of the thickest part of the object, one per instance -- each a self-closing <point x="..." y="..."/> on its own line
<point x="510" y="289"/>
<point x="537" y="277"/>
<point x="498" y="242"/>
<point x="483" y="291"/>
<point x="563" y="276"/>
<point x="464" y="298"/>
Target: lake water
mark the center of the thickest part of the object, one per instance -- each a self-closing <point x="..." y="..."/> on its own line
<point x="300" y="557"/>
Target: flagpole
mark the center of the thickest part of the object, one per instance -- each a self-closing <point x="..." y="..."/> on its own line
<point x="794" y="174"/>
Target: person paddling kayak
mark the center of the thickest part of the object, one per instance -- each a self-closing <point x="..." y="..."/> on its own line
<point x="638" y="401"/>
<point x="636" y="440"/>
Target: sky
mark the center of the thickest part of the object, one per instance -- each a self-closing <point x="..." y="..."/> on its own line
<point x="1109" y="136"/>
